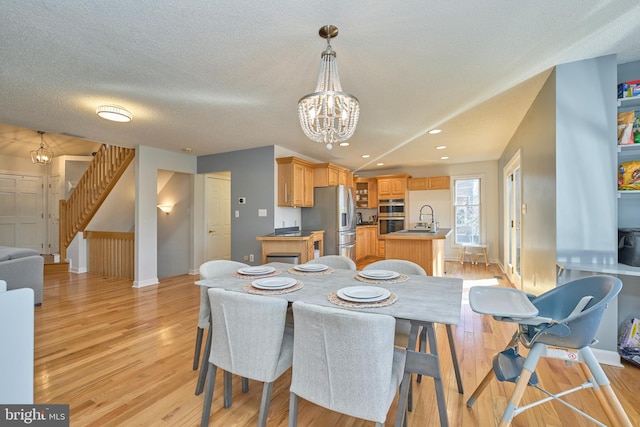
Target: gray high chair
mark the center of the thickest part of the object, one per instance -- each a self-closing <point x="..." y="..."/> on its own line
<point x="559" y="324"/>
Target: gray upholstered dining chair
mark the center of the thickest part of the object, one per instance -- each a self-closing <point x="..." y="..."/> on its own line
<point x="250" y="339"/>
<point x="398" y="265"/>
<point x="403" y="327"/>
<point x="208" y="270"/>
<point x="334" y="261"/>
<point x="343" y="360"/>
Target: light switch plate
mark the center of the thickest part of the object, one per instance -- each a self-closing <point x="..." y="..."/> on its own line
<point x="262" y="212"/>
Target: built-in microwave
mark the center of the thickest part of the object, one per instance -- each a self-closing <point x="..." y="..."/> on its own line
<point x="391" y="208"/>
<point x="390" y="224"/>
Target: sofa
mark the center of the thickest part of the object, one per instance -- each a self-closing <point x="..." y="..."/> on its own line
<point x="22" y="268"/>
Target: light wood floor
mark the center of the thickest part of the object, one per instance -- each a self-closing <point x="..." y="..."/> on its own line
<point x="121" y="356"/>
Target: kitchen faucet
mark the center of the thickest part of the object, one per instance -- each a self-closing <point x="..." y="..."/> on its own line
<point x="433" y="217"/>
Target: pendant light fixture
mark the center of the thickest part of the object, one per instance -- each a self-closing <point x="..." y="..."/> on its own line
<point x="42" y="156"/>
<point x="329" y="115"/>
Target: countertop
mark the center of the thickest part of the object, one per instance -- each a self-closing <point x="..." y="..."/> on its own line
<point x="366" y="224"/>
<point x="418" y="235"/>
<point x="302" y="234"/>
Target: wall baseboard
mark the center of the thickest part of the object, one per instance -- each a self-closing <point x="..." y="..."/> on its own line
<point x="607" y="357"/>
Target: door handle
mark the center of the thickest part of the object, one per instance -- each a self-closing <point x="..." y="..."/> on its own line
<point x="212" y="231"/>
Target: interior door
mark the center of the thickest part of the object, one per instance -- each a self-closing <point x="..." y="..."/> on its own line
<point x="513" y="220"/>
<point x="22" y="211"/>
<point x="218" y="214"/>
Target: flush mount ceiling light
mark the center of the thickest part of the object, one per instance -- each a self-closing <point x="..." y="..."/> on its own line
<point x="42" y="156"/>
<point x="113" y="113"/>
<point x="328" y="115"/>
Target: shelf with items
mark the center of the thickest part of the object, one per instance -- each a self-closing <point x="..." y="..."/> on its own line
<point x="366" y="194"/>
<point x="630" y="150"/>
<point x="628" y="193"/>
<point x="627" y="103"/>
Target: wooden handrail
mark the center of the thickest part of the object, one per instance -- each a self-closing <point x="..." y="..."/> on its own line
<point x="104" y="171"/>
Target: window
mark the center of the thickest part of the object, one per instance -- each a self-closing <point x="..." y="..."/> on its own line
<point x="467" y="209"/>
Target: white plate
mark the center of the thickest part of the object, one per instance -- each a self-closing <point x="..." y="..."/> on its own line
<point x="274" y="283"/>
<point x="379" y="274"/>
<point x="363" y="293"/>
<point x="311" y="267"/>
<point x="256" y="271"/>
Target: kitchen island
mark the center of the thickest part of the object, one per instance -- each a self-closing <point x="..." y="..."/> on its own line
<point x="302" y="242"/>
<point x="422" y="247"/>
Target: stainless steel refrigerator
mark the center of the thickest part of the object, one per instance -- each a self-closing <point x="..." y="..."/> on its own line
<point x="334" y="212"/>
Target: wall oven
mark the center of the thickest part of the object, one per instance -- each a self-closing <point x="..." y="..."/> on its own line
<point x="390" y="207"/>
<point x="391" y="216"/>
<point x="389" y="225"/>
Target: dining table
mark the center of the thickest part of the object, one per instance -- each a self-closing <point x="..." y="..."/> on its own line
<point x="422" y="300"/>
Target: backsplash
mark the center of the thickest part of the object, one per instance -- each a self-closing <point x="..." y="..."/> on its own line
<point x="367" y="214"/>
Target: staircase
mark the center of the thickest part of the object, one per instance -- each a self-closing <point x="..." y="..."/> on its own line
<point x="104" y="171"/>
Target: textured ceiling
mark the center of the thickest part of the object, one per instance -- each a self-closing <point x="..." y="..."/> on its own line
<point x="220" y="76"/>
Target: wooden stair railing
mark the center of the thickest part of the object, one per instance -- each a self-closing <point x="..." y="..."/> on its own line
<point x="111" y="253"/>
<point x="101" y="176"/>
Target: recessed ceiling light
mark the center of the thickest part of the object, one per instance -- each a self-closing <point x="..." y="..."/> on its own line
<point x="444" y="157"/>
<point x="344" y="144"/>
<point x="435" y="131"/>
<point x="187" y="150"/>
<point x="366" y="156"/>
<point x="113" y="113"/>
<point x="380" y="164"/>
<point x="441" y="147"/>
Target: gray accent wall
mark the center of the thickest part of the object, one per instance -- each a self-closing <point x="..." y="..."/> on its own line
<point x="252" y="177"/>
<point x="174" y="228"/>
<point x="535" y="137"/>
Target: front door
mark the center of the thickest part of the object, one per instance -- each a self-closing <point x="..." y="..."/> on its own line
<point x="218" y="214"/>
<point x="513" y="218"/>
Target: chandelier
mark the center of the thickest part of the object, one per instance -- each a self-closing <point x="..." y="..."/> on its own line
<point x="41" y="156"/>
<point x="328" y="115"/>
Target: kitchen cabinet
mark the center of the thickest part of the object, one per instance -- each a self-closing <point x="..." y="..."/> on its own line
<point x="372" y="240"/>
<point x="381" y="248"/>
<point x="305" y="245"/>
<point x="360" y="243"/>
<point x="366" y="241"/>
<point x="392" y="186"/>
<point x="429" y="183"/>
<point x="327" y="174"/>
<point x="295" y="182"/>
<point x="425" y="249"/>
<point x="366" y="193"/>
